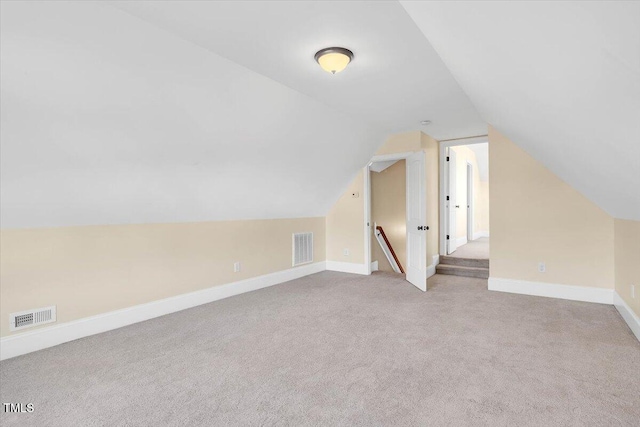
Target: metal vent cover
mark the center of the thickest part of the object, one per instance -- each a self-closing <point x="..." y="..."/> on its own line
<point x="302" y="248"/>
<point x="26" y="319"/>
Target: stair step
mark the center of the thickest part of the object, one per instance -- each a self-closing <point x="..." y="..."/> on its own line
<point x="459" y="270"/>
<point x="464" y="262"/>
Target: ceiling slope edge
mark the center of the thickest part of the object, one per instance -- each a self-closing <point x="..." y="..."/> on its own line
<point x="568" y="96"/>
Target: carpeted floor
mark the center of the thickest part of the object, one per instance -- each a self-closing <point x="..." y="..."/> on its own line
<point x="476" y="249"/>
<point x="340" y="349"/>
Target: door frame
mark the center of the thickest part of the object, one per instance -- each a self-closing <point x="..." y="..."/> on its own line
<point x="470" y="194"/>
<point x="451" y="189"/>
<point x="367" y="200"/>
<point x="444" y="180"/>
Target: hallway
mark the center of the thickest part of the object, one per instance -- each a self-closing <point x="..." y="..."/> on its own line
<point x="476" y="249"/>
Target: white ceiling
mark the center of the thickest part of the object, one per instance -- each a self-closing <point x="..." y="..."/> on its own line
<point x="380" y="166"/>
<point x="396" y="79"/>
<point x="106" y="119"/>
<point x="189" y="111"/>
<point x="193" y="111"/>
<point x="561" y="79"/>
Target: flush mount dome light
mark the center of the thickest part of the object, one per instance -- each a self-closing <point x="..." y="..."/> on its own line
<point x="334" y="59"/>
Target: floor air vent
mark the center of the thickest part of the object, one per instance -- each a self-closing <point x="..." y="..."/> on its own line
<point x="302" y="248"/>
<point x="26" y="319"/>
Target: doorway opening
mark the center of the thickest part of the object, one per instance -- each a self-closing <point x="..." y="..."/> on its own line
<point x="395" y="211"/>
<point x="389" y="215"/>
<point x="464" y="200"/>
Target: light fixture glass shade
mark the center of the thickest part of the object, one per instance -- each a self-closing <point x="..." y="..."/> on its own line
<point x="334" y="59"/>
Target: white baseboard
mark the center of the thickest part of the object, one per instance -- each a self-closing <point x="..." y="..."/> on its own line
<point x="627" y="314"/>
<point x="27" y="342"/>
<point x="374" y="266"/>
<point x="569" y="292"/>
<point x="461" y="241"/>
<point x="431" y="269"/>
<point x="347" y="267"/>
<point x="479" y="234"/>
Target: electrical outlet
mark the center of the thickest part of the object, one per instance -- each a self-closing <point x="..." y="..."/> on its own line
<point x="633" y="291"/>
<point x="236" y="267"/>
<point x="345" y="252"/>
<point x="542" y="267"/>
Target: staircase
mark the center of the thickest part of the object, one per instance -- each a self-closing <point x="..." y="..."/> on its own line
<point x="467" y="267"/>
<point x="381" y="237"/>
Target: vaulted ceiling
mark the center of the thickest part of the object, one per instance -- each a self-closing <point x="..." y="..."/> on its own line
<point x="395" y="81"/>
<point x="192" y="111"/>
<point x="162" y="111"/>
<point x="561" y="79"/>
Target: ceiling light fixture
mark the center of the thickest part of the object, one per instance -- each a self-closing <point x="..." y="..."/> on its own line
<point x="425" y="122"/>
<point x="334" y="59"/>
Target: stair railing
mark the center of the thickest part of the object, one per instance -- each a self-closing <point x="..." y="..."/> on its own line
<point x="381" y="237"/>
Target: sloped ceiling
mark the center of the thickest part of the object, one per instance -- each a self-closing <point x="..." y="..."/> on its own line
<point x="396" y="79"/>
<point x="561" y="79"/>
<point x="380" y="166"/>
<point x="193" y="111"/>
<point x="482" y="157"/>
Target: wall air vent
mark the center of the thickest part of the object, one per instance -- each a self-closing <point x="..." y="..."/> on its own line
<point x="26" y="319"/>
<point x="302" y="248"/>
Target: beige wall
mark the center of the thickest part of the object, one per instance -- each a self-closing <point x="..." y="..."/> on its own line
<point x="389" y="210"/>
<point x="627" y="261"/>
<point x="402" y="143"/>
<point x="536" y="217"/>
<point x="86" y="271"/>
<point x="345" y="225"/>
<point x="481" y="214"/>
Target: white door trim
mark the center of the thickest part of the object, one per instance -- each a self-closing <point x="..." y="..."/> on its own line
<point x="367" y="217"/>
<point x="451" y="219"/>
<point x="469" y="202"/>
<point x="393" y="156"/>
<point x="441" y="161"/>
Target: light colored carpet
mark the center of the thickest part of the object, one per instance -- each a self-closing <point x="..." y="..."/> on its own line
<point x="476" y="249"/>
<point x="340" y="349"/>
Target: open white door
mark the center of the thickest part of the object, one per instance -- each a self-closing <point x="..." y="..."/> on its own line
<point x="451" y="203"/>
<point x="416" y="222"/>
